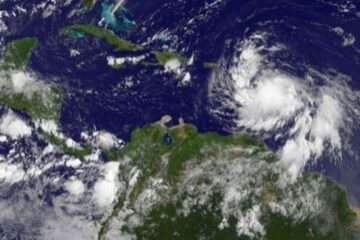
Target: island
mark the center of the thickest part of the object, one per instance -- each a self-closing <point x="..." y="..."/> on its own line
<point x="122" y="45"/>
<point x="109" y="36"/>
<point x="163" y="57"/>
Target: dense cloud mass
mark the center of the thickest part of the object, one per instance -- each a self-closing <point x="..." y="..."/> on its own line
<point x="267" y="101"/>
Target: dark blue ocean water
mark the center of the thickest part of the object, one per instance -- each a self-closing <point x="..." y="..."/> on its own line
<point x="96" y="96"/>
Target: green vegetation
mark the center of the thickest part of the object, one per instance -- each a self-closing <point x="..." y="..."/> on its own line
<point x="164" y="223"/>
<point x="113" y="154"/>
<point x="337" y="212"/>
<point x="147" y="147"/>
<point x="163" y="57"/>
<point x="39" y="106"/>
<point x="17" y="53"/>
<point x="79" y="152"/>
<point x="155" y="158"/>
<point x="88" y="4"/>
<point x="43" y="103"/>
<point x="109" y="36"/>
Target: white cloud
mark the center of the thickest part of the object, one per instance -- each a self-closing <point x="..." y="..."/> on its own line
<point x="74" y="52"/>
<point x="186" y="78"/>
<point x="347" y="38"/>
<point x="94" y="156"/>
<point x="105" y="189"/>
<point x="24" y="82"/>
<point x="173" y="65"/>
<point x="322" y="128"/>
<point x="249" y="224"/>
<point x="308" y="118"/>
<point x="74" y="163"/>
<point x="240" y="183"/>
<point x="326" y="122"/>
<point x="104" y="140"/>
<point x="270" y="103"/>
<point x="11" y="173"/>
<point x="59" y="226"/>
<point x="3" y="138"/>
<point x="248" y="64"/>
<point x="13" y="126"/>
<point x="21" y="81"/>
<point x="71" y="143"/>
<point x="49" y="126"/>
<point x="75" y="187"/>
<point x="121" y="60"/>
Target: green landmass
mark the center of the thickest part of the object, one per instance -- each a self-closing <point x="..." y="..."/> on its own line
<point x="17" y="53"/>
<point x="189" y="149"/>
<point x="112" y="154"/>
<point x="44" y="103"/>
<point x="38" y="105"/>
<point x="109" y="36"/>
<point x="202" y="222"/>
<point x="147" y="146"/>
<point x="163" y="222"/>
<point x="163" y="57"/>
<point x="79" y="152"/>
